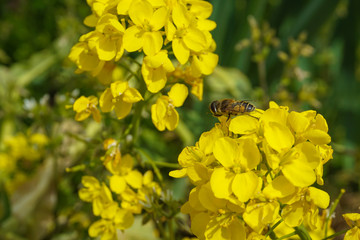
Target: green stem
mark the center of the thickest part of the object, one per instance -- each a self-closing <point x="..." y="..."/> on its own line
<point x="171" y="230"/>
<point x="287" y="235"/>
<point x="127" y="68"/>
<point x="273" y="227"/>
<point x="302" y="233"/>
<point x="134" y="61"/>
<point x="335" y="234"/>
<point x="332" y="210"/>
<point x="152" y="163"/>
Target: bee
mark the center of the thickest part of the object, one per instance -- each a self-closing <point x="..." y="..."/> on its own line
<point x="228" y="107"/>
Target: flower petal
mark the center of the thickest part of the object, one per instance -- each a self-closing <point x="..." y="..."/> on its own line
<point x="278" y="136"/>
<point x="220" y="182"/>
<point x="224" y="151"/>
<point x="245" y="185"/>
<point x="178" y="93"/>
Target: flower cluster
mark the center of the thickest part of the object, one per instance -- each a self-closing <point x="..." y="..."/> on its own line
<point x="131" y="188"/>
<point x="173" y="35"/>
<point x="253" y="175"/>
<point x="21" y="156"/>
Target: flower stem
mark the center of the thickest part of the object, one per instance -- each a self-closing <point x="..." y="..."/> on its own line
<point x="273" y="227"/>
<point x="335" y="234"/>
<point x="287" y="235"/>
<point x="332" y="210"/>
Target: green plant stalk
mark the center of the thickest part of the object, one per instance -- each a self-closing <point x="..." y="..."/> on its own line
<point x="287" y="235"/>
<point x="335" y="234"/>
<point x="302" y="233"/>
<point x="332" y="210"/>
<point x="271" y="230"/>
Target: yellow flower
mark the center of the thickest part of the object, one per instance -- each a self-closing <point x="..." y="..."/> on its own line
<point x="109" y="43"/>
<point x="238" y="158"/>
<point x="119" y="97"/>
<point x="99" y="195"/>
<point x="195" y="160"/>
<point x="185" y="36"/>
<point x="123" y="174"/>
<point x="154" y="70"/>
<point x="259" y="214"/>
<point x="203" y="62"/>
<point x="145" y="32"/>
<point x="304" y="204"/>
<point x="84" y="106"/>
<point x="163" y="112"/>
<point x="112" y="218"/>
<point x="353" y="220"/>
<point x="214" y="218"/>
<point x="84" y="54"/>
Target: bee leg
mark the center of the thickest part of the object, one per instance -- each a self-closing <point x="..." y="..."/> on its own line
<point x="228" y="117"/>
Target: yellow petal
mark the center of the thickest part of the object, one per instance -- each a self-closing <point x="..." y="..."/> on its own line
<point x="172" y="119"/>
<point x="352" y="219"/>
<point x="224" y="151"/>
<point x="81" y="116"/>
<point x="299" y="173"/>
<point x="96" y="114"/>
<point x="178" y="93"/>
<point x="320" y="123"/>
<point x="106" y="49"/>
<point x="244" y="124"/>
<point x="319" y="197"/>
<point x="352" y="234"/>
<point x="220" y="182"/>
<point x="245" y="185"/>
<point x="180" y="16"/>
<point x="208" y="200"/>
<point x="311" y="153"/>
<point x="199" y="223"/>
<point x="124" y="219"/>
<point x="279" y="188"/>
<point x="132" y="95"/>
<point x="134" y="179"/>
<point x="152" y="43"/>
<point x="298" y="122"/>
<point x="117" y="184"/>
<point x="181" y="52"/>
<point x="278" y="115"/>
<point x="158" y="19"/>
<point x="278" y="136"/>
<point x="122" y="109"/>
<point x="195" y="39"/>
<point x="133" y="39"/>
<point x="81" y="104"/>
<point x="318" y="137"/>
<point x="178" y="173"/>
<point x="155" y="79"/>
<point x="118" y="87"/>
<point x="248" y="155"/>
<point x="106" y="104"/>
<point x="140" y="11"/>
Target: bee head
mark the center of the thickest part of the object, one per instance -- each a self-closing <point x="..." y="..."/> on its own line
<point x="214" y="108"/>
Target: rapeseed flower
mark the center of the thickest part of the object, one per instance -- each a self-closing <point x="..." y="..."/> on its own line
<point x="145" y="34"/>
<point x="86" y="106"/>
<point x="119" y="97"/>
<point x="163" y="113"/>
<point x="154" y="70"/>
<point x="255" y="170"/>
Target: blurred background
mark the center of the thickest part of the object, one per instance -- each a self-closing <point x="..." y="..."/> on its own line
<point x="302" y="54"/>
